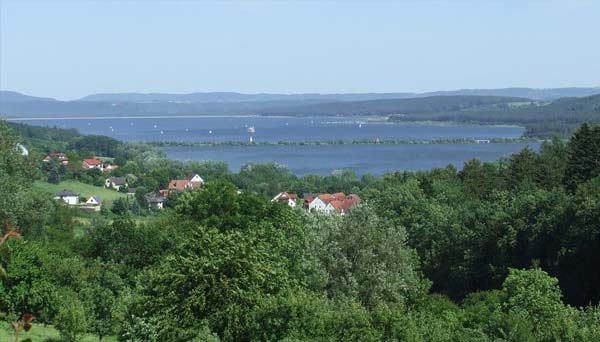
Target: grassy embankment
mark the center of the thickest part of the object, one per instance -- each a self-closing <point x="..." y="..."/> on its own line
<point x="84" y="190"/>
<point x="41" y="333"/>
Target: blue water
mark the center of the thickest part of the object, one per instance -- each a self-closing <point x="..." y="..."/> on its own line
<point x="302" y="160"/>
<point x="272" y="129"/>
<point x="373" y="159"/>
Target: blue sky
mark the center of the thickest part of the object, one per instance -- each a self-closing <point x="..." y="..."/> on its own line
<point x="68" y="49"/>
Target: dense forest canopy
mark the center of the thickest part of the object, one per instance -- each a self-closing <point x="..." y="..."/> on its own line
<point x="497" y="251"/>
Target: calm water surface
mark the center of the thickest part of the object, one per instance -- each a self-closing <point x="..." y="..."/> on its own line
<point x="272" y="129"/>
<point x="374" y="159"/>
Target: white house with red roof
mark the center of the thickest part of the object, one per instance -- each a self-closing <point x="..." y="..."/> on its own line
<point x="332" y="203"/>
<point x="61" y="157"/>
<point x="191" y="182"/>
<point x="285" y="197"/>
<point x="92" y="163"/>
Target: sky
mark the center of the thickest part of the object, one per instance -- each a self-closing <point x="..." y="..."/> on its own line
<point x="69" y="49"/>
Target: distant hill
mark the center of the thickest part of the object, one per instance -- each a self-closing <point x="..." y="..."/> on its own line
<point x="541" y="119"/>
<point x="279" y="107"/>
<point x="543" y="112"/>
<point x="226" y="97"/>
<point x="431" y="104"/>
<point x="107" y="108"/>
<point x="530" y="93"/>
<point x="13" y="96"/>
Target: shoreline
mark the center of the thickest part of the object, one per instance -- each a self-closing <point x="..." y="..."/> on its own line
<point x="342" y="142"/>
<point x="376" y="119"/>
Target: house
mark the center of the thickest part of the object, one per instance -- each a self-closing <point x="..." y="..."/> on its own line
<point x="109" y="167"/>
<point x="191" y="182"/>
<point x="334" y="206"/>
<point x="195" y="180"/>
<point x="131" y="191"/>
<point x="62" y="158"/>
<point x="179" y="185"/>
<point x="92" y="164"/>
<point x="22" y="149"/>
<point x="94" y="200"/>
<point x="330" y="203"/>
<point x="115" y="182"/>
<point x="289" y="199"/>
<point x="319" y="203"/>
<point x="68" y="197"/>
<point x="93" y="204"/>
<point x="308" y="197"/>
<point x="339" y="196"/>
<point x="155" y="200"/>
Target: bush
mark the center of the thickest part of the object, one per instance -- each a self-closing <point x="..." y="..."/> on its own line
<point x="71" y="319"/>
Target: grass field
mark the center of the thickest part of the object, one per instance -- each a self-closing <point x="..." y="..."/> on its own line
<point x="82" y="189"/>
<point x="41" y="333"/>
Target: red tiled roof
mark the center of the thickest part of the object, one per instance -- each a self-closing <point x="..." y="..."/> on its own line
<point x="339" y="196"/>
<point x="92" y="161"/>
<point x="178" y="184"/>
<point x="285" y="196"/>
<point x="326" y="198"/>
<point x="338" y="205"/>
<point x="347" y="204"/>
<point x="354" y="197"/>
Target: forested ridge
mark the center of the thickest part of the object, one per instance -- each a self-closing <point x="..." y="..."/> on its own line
<point x="496" y="251"/>
<point x="542" y="118"/>
<point x="560" y="117"/>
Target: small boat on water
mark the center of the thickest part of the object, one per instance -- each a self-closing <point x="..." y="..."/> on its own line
<point x="251" y="129"/>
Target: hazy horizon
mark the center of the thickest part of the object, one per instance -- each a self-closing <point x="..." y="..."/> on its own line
<point x="286" y="93"/>
<point x="67" y="50"/>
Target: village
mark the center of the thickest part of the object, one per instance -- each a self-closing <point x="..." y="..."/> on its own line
<point x="326" y="203"/>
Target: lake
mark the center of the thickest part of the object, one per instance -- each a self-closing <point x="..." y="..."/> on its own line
<point x="302" y="160"/>
<point x="374" y="159"/>
<point x="272" y="129"/>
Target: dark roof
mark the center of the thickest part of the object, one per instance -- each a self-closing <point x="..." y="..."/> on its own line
<point x="118" y="180"/>
<point x="154" y="197"/>
<point x="131" y="190"/>
<point x="66" y="193"/>
<point x="96" y="198"/>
